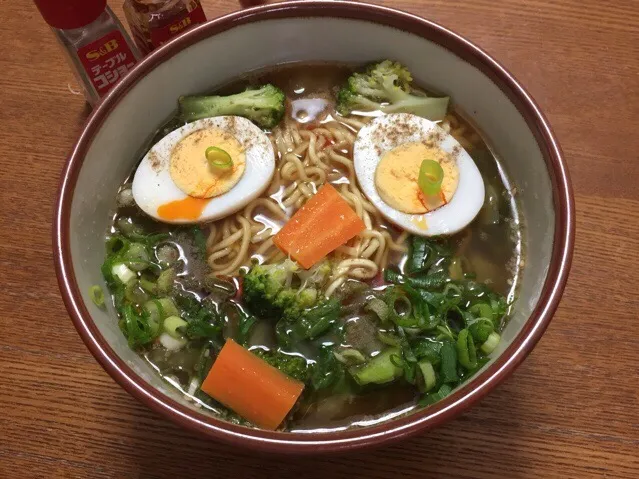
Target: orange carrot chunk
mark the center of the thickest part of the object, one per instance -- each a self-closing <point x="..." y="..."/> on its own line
<point x="322" y="225"/>
<point x="251" y="387"/>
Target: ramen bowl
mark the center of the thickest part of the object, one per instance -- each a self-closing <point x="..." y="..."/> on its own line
<point x="313" y="31"/>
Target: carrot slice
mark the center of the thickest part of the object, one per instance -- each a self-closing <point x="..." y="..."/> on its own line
<point x="323" y="224"/>
<point x="251" y="387"/>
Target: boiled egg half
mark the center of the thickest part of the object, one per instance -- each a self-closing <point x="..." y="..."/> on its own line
<point x="177" y="181"/>
<point x="388" y="153"/>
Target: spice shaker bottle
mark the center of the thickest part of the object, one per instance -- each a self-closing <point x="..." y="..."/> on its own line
<point x="154" y="22"/>
<point x="97" y="46"/>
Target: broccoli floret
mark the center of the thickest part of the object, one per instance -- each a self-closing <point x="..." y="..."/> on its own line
<point x="386" y="87"/>
<point x="266" y="289"/>
<point x="293" y="366"/>
<point x="263" y="106"/>
<point x="262" y="286"/>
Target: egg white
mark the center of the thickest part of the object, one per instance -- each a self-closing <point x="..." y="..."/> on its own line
<point x="371" y="144"/>
<point x="153" y="187"/>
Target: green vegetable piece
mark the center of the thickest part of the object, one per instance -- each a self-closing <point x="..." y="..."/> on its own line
<point x="388" y="339"/>
<point x="379" y="307"/>
<point x="148" y="286"/>
<point x="159" y="309"/>
<point x="116" y="244"/>
<point x="466" y="352"/>
<point x="491" y="343"/>
<point x="168" y="307"/>
<point x="200" y="329"/>
<point x="419" y="248"/>
<point x="386" y="87"/>
<point x="428" y="374"/>
<point x="264" y="106"/>
<point x="173" y="325"/>
<point x="137" y="257"/>
<point x="430" y="281"/>
<point x="432" y="398"/>
<point x="428" y="350"/>
<point x="200" y="239"/>
<point x="218" y="158"/>
<point x="121" y="272"/>
<point x="482" y="310"/>
<point x="134" y="292"/>
<point x="448" y="365"/>
<point x="431" y="175"/>
<point x="136" y="328"/>
<point x="379" y="370"/>
<point x="292" y="365"/>
<point x="97" y="296"/>
<point x="349" y="357"/>
<point x="328" y="371"/>
<point x="481" y="329"/>
<point x="165" y="281"/>
<point x="246" y="323"/>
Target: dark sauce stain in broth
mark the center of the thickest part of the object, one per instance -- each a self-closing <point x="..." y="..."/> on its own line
<point x="493" y="251"/>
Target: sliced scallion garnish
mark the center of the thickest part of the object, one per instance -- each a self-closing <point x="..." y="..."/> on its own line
<point x="491" y="343"/>
<point x="218" y="158"/>
<point x="428" y="373"/>
<point x="97" y="296"/>
<point x="431" y="175"/>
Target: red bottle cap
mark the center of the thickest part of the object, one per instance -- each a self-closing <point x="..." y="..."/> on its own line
<point x="66" y="14"/>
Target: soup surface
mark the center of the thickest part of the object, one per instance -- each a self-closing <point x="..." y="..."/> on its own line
<point x="384" y="323"/>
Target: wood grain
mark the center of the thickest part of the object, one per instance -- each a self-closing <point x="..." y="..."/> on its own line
<point x="571" y="410"/>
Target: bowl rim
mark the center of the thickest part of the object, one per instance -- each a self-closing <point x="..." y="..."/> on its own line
<point x="404" y="426"/>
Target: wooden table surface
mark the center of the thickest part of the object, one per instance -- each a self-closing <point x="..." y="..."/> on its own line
<point x="571" y="410"/>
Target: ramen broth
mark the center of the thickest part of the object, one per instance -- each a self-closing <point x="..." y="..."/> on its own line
<point x="490" y="247"/>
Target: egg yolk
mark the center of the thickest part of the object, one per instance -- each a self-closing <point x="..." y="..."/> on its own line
<point x="191" y="171"/>
<point x="188" y="208"/>
<point x="397" y="172"/>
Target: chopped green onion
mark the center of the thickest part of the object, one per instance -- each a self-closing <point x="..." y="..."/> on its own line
<point x="122" y="272"/>
<point x="218" y="158"/>
<point x="432" y="398"/>
<point x="199" y="238"/>
<point x="448" y="366"/>
<point x="137" y="257"/>
<point x="456" y="295"/>
<point x="481" y="328"/>
<point x="466" y="352"/>
<point x="482" y="310"/>
<point x="491" y="343"/>
<point x="431" y="175"/>
<point x="350" y="357"/>
<point x="379" y="307"/>
<point x="418" y="255"/>
<point x="97" y="296"/>
<point x="172" y="324"/>
<point x="148" y="286"/>
<point x="388" y="339"/>
<point x="116" y="244"/>
<point x="429" y="350"/>
<point x="134" y="292"/>
<point x="399" y="306"/>
<point x="165" y="281"/>
<point x="428" y="373"/>
<point x="136" y="327"/>
<point x="379" y="370"/>
<point x="170" y="343"/>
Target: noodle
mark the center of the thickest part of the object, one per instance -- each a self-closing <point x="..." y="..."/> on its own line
<point x="306" y="159"/>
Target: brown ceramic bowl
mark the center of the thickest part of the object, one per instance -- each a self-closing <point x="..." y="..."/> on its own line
<point x="226" y="47"/>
